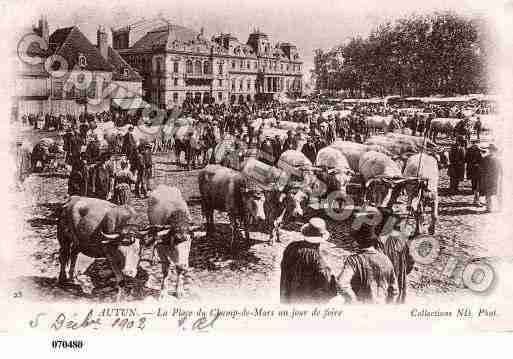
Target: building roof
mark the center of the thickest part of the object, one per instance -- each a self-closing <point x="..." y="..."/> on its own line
<point x="174" y="37"/>
<point x="118" y="74"/>
<point x="69" y="43"/>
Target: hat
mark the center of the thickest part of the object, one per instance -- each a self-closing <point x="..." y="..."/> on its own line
<point x="365" y="234"/>
<point x="315" y="231"/>
<point x="492" y="148"/>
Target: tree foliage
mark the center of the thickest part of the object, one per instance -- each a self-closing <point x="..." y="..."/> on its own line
<point x="419" y="55"/>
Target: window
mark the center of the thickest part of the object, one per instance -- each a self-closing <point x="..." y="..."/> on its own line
<point x="82" y="62"/>
<point x="175" y="82"/>
<point x="220" y="96"/>
<point x="248" y="65"/>
<point x="175" y="96"/>
<point x="241" y="85"/>
<point x="220" y="83"/>
<point x="233" y="64"/>
<point x="175" y="66"/>
<point x="288" y="67"/>
<point x="188" y="67"/>
<point x="255" y="65"/>
<point x="220" y="68"/>
<point x="249" y="85"/>
<point x="57" y="89"/>
<point x="206" y="67"/>
<point x="70" y="90"/>
<point x="233" y="85"/>
<point x="159" y="65"/>
<point x="91" y="90"/>
<point x="197" y="67"/>
<point x="241" y="64"/>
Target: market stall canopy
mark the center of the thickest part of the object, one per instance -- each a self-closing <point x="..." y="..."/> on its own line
<point x="130" y="103"/>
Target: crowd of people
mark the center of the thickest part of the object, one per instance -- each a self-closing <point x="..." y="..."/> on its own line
<point x="375" y="273"/>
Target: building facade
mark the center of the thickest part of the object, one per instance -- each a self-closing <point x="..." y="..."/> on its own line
<point x="179" y="64"/>
<point x="70" y="75"/>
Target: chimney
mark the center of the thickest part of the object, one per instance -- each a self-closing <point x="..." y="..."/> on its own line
<point x="44" y="32"/>
<point x="102" y="43"/>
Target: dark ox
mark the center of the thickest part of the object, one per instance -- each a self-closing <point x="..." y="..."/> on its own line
<point x="170" y="229"/>
<point x="226" y="190"/>
<point x="97" y="229"/>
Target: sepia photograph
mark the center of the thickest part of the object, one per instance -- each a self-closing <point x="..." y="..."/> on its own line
<point x="197" y="165"/>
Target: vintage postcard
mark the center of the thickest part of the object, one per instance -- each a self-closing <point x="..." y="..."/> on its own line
<point x="286" y="166"/>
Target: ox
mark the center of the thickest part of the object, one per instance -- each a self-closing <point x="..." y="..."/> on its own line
<point x="332" y="169"/>
<point x="227" y="190"/>
<point x="287" y="201"/>
<point x="170" y="229"/>
<point x="97" y="229"/>
<point x="378" y="170"/>
<point x="425" y="167"/>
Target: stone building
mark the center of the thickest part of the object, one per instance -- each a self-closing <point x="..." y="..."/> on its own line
<point x="178" y="63"/>
<point x="64" y="73"/>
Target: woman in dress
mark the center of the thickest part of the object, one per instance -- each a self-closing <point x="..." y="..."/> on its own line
<point x="122" y="181"/>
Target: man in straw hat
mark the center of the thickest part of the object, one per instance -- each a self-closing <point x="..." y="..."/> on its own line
<point x="305" y="277"/>
<point x="368" y="275"/>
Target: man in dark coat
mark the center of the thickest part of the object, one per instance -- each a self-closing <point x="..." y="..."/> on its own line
<point x="456" y="164"/>
<point x="77" y="185"/>
<point x="490" y="176"/>
<point x="139" y="167"/>
<point x="129" y="144"/>
<point x="101" y="178"/>
<point x="305" y="277"/>
<point x="473" y="159"/>
<point x="266" y="154"/>
<point x="309" y="150"/>
<point x="277" y="150"/>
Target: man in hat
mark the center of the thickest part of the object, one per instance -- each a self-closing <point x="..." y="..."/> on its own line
<point x="456" y="169"/>
<point x="490" y="176"/>
<point x="129" y="144"/>
<point x="473" y="159"/>
<point x="266" y="154"/>
<point x="368" y="275"/>
<point x="305" y="276"/>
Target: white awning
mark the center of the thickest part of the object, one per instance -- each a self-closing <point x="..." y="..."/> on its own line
<point x="130" y="103"/>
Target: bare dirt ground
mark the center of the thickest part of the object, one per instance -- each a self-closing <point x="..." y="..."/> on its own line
<point x="250" y="272"/>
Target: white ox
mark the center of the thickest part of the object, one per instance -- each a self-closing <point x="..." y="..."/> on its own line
<point x="377" y="123"/>
<point x="335" y="171"/>
<point x="169" y="218"/>
<point x="354" y="151"/>
<point x="373" y="165"/>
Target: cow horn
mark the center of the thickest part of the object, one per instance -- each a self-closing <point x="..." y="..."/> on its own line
<point x="163" y="232"/>
<point x="110" y="237"/>
<point x="194" y="228"/>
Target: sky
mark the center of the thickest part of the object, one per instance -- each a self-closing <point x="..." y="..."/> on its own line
<point x="307" y="24"/>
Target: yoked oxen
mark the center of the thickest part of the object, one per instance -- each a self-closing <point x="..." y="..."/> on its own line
<point x="189" y="139"/>
<point x="425" y="167"/>
<point x="333" y="170"/>
<point x="383" y="178"/>
<point x="171" y="229"/>
<point x="98" y="229"/>
<point x="297" y="183"/>
<point x="229" y="191"/>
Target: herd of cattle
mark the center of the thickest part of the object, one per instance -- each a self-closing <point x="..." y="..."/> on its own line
<point x="384" y="167"/>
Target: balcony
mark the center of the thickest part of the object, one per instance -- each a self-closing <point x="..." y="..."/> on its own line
<point x="197" y="76"/>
